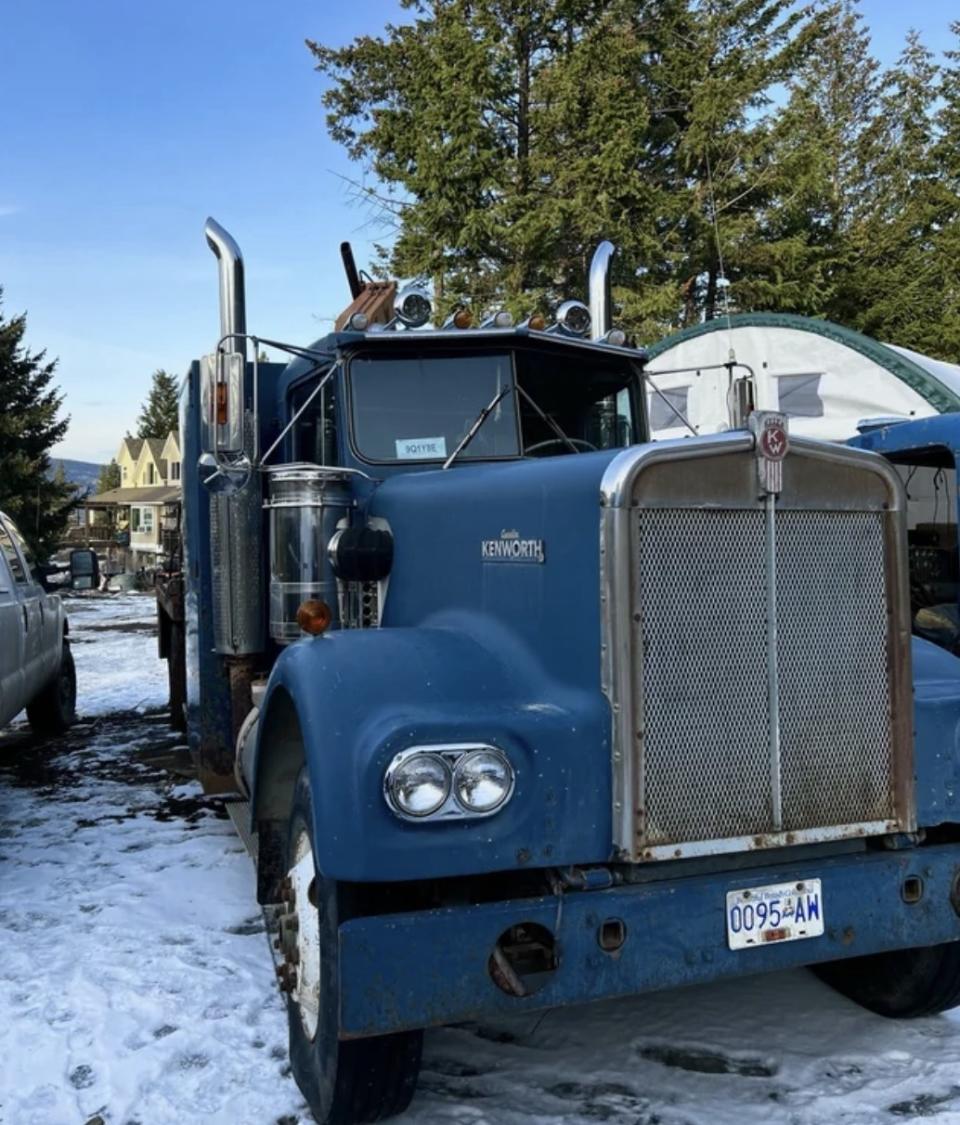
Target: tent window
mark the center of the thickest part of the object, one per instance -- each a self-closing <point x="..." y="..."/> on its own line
<point x="670" y="414"/>
<point x="799" y="395"/>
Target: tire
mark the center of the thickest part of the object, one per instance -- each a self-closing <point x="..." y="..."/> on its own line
<point x="55" y="708"/>
<point x="904" y="984"/>
<point x="344" y="1082"/>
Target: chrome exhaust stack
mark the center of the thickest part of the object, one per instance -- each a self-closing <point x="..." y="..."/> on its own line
<point x="233" y="301"/>
<point x="229" y="445"/>
<point x="601" y="302"/>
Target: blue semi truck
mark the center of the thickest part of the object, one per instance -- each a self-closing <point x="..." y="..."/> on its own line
<point x="529" y="710"/>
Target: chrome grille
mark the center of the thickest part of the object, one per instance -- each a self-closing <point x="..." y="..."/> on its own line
<point x="700" y="635"/>
<point x="837" y="745"/>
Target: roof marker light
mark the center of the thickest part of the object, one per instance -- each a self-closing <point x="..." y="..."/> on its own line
<point x="460" y="318"/>
<point x="358" y="322"/>
<point x="501" y="319"/>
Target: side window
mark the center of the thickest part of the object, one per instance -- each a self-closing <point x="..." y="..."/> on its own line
<point x="668" y="409"/>
<point x="11" y="555"/>
<point x="799" y="395"/>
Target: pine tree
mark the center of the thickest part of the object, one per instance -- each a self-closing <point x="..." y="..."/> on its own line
<point x="894" y="290"/>
<point x="109" y="477"/>
<point x="946" y="240"/>
<point x="510" y="135"/>
<point x="29" y="428"/>
<point x="160" y="413"/>
<point x="820" y="174"/>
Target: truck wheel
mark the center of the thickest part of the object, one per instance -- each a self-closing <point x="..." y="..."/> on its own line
<point x="344" y="1082"/>
<point x="55" y="708"/>
<point x="903" y="984"/>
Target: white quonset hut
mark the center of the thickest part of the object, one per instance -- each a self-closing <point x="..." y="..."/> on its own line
<point x="826" y="378"/>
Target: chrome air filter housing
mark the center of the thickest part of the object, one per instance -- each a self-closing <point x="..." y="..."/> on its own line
<point x="306" y="503"/>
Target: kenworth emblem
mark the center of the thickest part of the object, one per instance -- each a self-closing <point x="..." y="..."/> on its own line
<point x="770" y="430"/>
<point x="511" y="548"/>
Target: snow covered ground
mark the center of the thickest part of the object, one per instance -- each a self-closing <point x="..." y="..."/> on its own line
<point x="136" y="984"/>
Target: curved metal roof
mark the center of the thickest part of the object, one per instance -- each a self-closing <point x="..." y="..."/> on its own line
<point x="934" y="380"/>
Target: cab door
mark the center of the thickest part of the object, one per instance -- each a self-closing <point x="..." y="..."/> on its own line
<point x="13" y="696"/>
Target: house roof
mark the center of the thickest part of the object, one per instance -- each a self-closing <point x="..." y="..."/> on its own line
<point x="155" y="445"/>
<point x="134" y="445"/>
<point x="155" y="494"/>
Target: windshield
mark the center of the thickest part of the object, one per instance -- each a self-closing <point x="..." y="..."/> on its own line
<point x="418" y="408"/>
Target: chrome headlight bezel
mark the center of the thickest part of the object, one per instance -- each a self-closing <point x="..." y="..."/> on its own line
<point x="452" y="754"/>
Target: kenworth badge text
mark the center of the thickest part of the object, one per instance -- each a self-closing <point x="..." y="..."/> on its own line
<point x="527" y="710"/>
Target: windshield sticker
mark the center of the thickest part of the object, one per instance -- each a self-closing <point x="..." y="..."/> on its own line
<point x="421" y="449"/>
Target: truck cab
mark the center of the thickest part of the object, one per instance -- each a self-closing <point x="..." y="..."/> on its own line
<point x="531" y="710"/>
<point x="36" y="668"/>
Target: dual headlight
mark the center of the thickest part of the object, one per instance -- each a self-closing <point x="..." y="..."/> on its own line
<point x="448" y="781"/>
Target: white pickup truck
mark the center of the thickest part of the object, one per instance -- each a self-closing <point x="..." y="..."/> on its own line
<point x="36" y="668"/>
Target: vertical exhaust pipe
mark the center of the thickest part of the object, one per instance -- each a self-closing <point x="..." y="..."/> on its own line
<point x="233" y="301"/>
<point x="601" y="303"/>
<point x="236" y="531"/>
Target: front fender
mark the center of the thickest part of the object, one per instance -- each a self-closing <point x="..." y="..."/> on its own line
<point x="361" y="696"/>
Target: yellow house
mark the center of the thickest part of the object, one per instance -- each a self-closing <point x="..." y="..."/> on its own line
<point x="149" y="480"/>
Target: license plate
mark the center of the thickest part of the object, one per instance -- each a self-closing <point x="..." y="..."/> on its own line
<point x="779" y="912"/>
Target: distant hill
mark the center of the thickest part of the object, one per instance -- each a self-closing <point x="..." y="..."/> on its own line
<point x="83" y="474"/>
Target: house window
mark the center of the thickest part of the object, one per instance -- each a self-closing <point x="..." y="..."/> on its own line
<point x="799" y="395"/>
<point x="150" y="474"/>
<point x="124" y="472"/>
<point x="146" y="520"/>
<point x="174" y="470"/>
<point x="668" y="409"/>
<point x="134" y="519"/>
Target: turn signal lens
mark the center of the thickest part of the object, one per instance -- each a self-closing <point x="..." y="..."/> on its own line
<point x="221" y="404"/>
<point x="314" y="617"/>
<point x="462" y="318"/>
<point x="537" y="322"/>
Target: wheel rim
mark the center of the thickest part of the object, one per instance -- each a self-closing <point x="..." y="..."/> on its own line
<point x="302" y="944"/>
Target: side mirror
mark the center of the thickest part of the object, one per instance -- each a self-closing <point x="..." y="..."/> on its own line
<point x="221" y="401"/>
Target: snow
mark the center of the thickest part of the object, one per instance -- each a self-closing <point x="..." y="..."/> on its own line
<point x="124" y="674"/>
<point x="136" y="983"/>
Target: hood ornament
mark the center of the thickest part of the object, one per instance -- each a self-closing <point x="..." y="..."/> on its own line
<point x="771" y="444"/>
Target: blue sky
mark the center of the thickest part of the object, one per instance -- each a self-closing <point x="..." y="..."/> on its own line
<point x="125" y="125"/>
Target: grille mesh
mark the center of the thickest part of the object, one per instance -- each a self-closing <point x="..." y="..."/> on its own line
<point x="706" y="771"/>
<point x="701" y="644"/>
<point x="836" y="739"/>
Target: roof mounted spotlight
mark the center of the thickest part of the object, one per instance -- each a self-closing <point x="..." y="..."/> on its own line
<point x="573" y="318"/>
<point x="459" y="318"/>
<point x="412" y="307"/>
<point x="358" y="322"/>
<point x="501" y="319"/>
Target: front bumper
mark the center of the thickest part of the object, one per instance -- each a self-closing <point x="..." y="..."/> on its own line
<point x="431" y="967"/>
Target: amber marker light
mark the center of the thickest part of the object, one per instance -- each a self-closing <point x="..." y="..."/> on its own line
<point x="221" y="404"/>
<point x="314" y="617"/>
<point x="462" y="318"/>
<point x="537" y="322"/>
